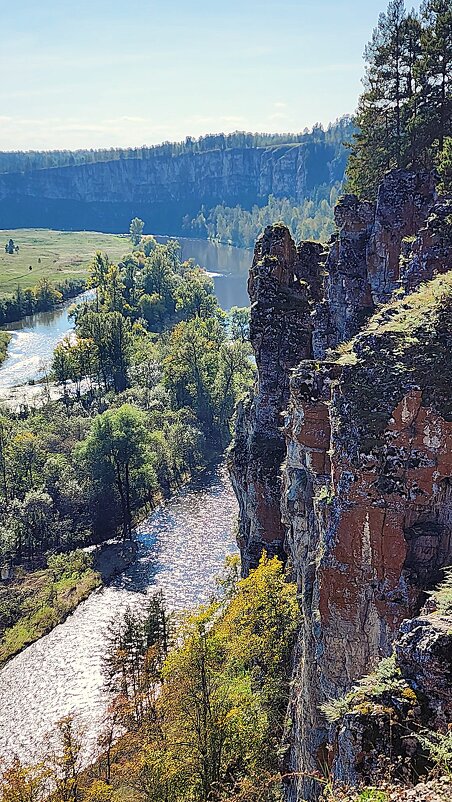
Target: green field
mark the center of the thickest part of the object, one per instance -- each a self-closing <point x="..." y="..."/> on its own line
<point x="62" y="254"/>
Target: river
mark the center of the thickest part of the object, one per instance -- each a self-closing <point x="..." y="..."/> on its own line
<point x="182" y="548"/>
<point x="35" y="337"/>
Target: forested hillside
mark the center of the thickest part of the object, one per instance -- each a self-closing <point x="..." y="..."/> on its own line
<point x="24" y="161"/>
<point x="174" y="186"/>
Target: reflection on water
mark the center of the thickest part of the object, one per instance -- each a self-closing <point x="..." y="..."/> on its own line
<point x="34" y="338"/>
<point x="227" y="265"/>
<point x="33" y="341"/>
<point x="182" y="547"/>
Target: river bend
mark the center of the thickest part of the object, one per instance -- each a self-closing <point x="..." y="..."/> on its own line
<point x="182" y="548"/>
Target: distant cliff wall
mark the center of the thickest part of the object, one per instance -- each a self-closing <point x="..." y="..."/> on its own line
<point x="164" y="189"/>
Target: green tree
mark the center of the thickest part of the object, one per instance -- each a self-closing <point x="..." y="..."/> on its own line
<point x="46" y="295"/>
<point x="66" y="762"/>
<point x="62" y="362"/>
<point x="148" y="244"/>
<point x="437" y="53"/>
<point x="445" y="166"/>
<point x="116" y="453"/>
<point x="136" y="230"/>
<point x="234" y="376"/>
<point x="110" y="336"/>
<point x="159" y="278"/>
<point x="98" y="276"/>
<point x="404" y="114"/>
<point x="195" y="295"/>
<point x="38" y="522"/>
<point x="239" y="322"/>
<point x="138" y="645"/>
<point x="191" y="365"/>
<point x="377" y="145"/>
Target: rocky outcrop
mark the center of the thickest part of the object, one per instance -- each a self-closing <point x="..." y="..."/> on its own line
<point x="283" y="283"/>
<point x="364" y="266"/>
<point x="404" y="201"/>
<point x="163" y="187"/>
<point x="428" y="254"/>
<point x="365" y="483"/>
<point x="424" y="655"/>
<point x="394" y="714"/>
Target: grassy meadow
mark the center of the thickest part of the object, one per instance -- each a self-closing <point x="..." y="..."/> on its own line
<point x="56" y="255"/>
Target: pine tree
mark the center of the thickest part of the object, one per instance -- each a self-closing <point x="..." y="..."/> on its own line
<point x="404" y="114"/>
<point x="437" y="53"/>
<point x="378" y="145"/>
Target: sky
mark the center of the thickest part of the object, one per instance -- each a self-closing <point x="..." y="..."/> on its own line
<point x="124" y="73"/>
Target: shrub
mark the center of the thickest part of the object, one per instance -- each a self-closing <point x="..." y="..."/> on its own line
<point x="71" y="565"/>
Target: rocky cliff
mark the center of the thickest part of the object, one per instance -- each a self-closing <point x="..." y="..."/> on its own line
<point x="164" y="187"/>
<point x="356" y="378"/>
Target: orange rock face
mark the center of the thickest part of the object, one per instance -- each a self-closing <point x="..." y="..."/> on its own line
<point x="343" y="466"/>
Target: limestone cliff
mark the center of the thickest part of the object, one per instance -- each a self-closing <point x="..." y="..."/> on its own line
<point x="164" y="187"/>
<point x="359" y="499"/>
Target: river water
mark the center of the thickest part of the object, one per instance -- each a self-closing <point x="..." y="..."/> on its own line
<point x="34" y="338"/>
<point x="182" y="548"/>
<point x="33" y="341"/>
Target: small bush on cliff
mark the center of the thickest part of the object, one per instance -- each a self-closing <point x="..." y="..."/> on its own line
<point x="336" y="708"/>
<point x="373" y="795"/>
<point x="386" y="678"/>
<point x="443" y="595"/>
<point x="439" y="749"/>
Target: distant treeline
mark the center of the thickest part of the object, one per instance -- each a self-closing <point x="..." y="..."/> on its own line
<point x="24" y="161"/>
<point x="311" y="220"/>
<point x="42" y="297"/>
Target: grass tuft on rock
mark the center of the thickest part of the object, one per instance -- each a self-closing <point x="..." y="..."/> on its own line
<point x="405" y="346"/>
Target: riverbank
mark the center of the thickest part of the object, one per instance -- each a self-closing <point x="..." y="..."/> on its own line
<point x="35" y="396"/>
<point x="35" y="602"/>
<point x="32" y="603"/>
<point x="182" y="547"/>
<point x="14" y="310"/>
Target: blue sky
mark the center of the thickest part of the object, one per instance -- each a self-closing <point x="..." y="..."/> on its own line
<point x="95" y="73"/>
